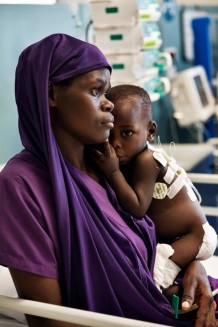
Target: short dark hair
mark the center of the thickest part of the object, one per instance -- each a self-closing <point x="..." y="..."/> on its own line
<point x="126" y="91"/>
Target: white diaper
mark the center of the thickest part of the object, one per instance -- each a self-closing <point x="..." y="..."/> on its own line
<point x="209" y="243"/>
<point x="165" y="270"/>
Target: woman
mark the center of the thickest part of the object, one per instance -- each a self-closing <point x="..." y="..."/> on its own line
<point x="66" y="240"/>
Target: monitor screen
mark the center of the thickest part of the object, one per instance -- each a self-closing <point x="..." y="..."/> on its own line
<point x="201" y="90"/>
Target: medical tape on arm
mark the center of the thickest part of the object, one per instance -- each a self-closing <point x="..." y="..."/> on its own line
<point x="176" y="186"/>
<point x="173" y="169"/>
<point x="169" y="176"/>
<point x="191" y="193"/>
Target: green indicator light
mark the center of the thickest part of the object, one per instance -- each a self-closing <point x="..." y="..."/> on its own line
<point x="150" y="43"/>
<point x="144" y="16"/>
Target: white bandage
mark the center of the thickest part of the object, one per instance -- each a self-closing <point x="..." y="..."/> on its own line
<point x="173" y="169"/>
<point x="176" y="186"/>
<point x="209" y="243"/>
<point x="170" y="174"/>
<point x="165" y="270"/>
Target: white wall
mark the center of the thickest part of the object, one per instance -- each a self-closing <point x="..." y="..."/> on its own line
<point x="20" y="26"/>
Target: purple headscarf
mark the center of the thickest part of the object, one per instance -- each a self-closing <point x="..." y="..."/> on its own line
<point x="96" y="273"/>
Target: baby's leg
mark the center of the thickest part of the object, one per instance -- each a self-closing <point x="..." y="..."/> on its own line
<point x="171" y="258"/>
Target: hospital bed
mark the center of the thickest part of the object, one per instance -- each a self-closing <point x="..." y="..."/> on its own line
<point x="12" y="309"/>
<point x="79" y="317"/>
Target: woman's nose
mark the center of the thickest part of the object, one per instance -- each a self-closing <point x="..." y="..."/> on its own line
<point x="107" y="105"/>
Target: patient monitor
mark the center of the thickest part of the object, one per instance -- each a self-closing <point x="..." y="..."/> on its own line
<point x="192" y="97"/>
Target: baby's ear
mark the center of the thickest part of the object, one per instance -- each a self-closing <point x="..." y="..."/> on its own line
<point x="152" y="130"/>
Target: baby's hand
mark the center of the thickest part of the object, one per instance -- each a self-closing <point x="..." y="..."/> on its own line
<point x="108" y="161"/>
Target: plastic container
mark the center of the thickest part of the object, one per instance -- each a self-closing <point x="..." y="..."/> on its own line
<point x="127" y="67"/>
<point x="157" y="87"/>
<point x="123" y="13"/>
<point x="119" y="40"/>
<point x="114" y="13"/>
<point x="149" y="10"/>
<point x="129" y="39"/>
<point x="151" y="35"/>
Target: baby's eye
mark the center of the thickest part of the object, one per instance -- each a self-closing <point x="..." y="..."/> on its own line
<point x="127" y="133"/>
<point x="95" y="92"/>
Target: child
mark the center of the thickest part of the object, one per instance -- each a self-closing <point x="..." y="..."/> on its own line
<point x="146" y="180"/>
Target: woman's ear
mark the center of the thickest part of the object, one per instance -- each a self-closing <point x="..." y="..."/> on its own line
<point x="152" y="130"/>
<point x="52" y="102"/>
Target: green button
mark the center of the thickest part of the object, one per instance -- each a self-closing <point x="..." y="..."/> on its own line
<point x="116" y="37"/>
<point x="118" y="66"/>
<point x="111" y="10"/>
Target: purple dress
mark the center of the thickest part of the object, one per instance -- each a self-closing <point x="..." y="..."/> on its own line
<point x="56" y="221"/>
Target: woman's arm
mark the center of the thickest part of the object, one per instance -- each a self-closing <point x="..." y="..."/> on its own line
<point x="42" y="289"/>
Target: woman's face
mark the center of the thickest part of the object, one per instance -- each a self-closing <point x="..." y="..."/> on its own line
<point x="80" y="111"/>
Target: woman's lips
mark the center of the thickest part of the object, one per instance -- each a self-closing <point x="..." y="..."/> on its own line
<point x="109" y="123"/>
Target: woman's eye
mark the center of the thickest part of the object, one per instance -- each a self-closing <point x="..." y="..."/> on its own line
<point x="95" y="92"/>
<point x="127" y="133"/>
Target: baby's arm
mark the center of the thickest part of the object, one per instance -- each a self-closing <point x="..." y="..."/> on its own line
<point x="107" y="161"/>
<point x="137" y="197"/>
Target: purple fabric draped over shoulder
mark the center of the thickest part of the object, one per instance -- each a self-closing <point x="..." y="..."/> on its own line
<point x="96" y="272"/>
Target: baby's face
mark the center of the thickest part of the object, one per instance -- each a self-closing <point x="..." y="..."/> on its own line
<point x="129" y="134"/>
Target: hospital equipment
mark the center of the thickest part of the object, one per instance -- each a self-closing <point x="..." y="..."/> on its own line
<point x="106" y="13"/>
<point x="191" y="96"/>
<point x="203" y="45"/>
<point x="128" y="34"/>
<point x="188" y="36"/>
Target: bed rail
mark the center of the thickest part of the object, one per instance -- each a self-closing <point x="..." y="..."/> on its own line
<point x="76" y="316"/>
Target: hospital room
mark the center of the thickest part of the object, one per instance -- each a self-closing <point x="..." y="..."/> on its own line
<point x="71" y="237"/>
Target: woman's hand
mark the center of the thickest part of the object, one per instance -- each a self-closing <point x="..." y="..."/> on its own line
<point x="196" y="289"/>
